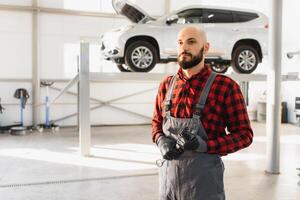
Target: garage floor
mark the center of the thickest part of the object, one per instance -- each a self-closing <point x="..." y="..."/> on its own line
<point x="47" y="166"/>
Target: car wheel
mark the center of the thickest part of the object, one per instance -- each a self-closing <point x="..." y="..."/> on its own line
<point x="219" y="68"/>
<point x="245" y="59"/>
<point x="123" y="68"/>
<point x="141" y="56"/>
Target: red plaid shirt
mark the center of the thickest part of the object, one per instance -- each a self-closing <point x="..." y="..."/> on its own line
<point x="224" y="108"/>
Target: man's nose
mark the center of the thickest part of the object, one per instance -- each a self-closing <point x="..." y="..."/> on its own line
<point x="184" y="47"/>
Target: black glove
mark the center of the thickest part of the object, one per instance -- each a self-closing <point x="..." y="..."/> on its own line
<point x="189" y="141"/>
<point x="168" y="149"/>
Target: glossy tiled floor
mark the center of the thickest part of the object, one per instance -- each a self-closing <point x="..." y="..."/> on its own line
<point x="44" y="166"/>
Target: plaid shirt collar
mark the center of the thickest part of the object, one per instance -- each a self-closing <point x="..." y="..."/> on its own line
<point x="202" y="73"/>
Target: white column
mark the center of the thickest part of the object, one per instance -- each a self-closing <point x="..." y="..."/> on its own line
<point x="35" y="67"/>
<point x="273" y="89"/>
<point x="84" y="101"/>
<point x="167" y="6"/>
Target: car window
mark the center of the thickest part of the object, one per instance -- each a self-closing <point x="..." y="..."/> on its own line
<point x="217" y="16"/>
<point x="190" y="16"/>
<point x="244" y="16"/>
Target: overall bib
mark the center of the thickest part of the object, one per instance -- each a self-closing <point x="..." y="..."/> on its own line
<point x="194" y="175"/>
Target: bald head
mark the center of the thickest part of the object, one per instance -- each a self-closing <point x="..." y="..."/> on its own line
<point x="192" y="31"/>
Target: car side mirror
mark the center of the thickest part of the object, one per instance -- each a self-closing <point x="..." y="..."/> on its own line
<point x="172" y="19"/>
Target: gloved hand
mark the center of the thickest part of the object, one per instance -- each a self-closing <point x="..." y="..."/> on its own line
<point x="189" y="141"/>
<point x="168" y="149"/>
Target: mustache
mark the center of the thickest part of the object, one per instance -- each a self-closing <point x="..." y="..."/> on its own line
<point x="185" y="53"/>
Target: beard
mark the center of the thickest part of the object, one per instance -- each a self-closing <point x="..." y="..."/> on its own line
<point x="195" y="59"/>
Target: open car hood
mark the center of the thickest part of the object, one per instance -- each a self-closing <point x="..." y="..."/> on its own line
<point x="134" y="13"/>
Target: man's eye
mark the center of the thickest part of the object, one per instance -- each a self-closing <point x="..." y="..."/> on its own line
<point x="191" y="42"/>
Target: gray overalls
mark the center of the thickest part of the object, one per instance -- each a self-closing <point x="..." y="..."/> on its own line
<point x="194" y="175"/>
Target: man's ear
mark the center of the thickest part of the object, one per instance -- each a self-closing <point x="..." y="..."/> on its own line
<point x="206" y="47"/>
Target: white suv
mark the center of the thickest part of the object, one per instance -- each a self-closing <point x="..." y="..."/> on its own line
<point x="237" y="37"/>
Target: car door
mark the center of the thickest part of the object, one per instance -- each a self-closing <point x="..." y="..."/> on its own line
<point x="220" y="28"/>
<point x="170" y="32"/>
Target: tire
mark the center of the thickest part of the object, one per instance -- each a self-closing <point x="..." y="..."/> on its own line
<point x="245" y="59"/>
<point x="219" y="68"/>
<point x="123" y="68"/>
<point x="141" y="56"/>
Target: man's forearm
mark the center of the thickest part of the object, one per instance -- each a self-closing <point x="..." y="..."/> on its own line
<point x="230" y="143"/>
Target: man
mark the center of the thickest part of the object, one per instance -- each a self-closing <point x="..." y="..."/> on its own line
<point x="193" y="108"/>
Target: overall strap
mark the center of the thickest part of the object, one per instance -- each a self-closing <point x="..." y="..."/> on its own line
<point x="201" y="103"/>
<point x="169" y="96"/>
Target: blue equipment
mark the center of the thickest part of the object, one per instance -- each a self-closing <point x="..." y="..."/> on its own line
<point x="48" y="123"/>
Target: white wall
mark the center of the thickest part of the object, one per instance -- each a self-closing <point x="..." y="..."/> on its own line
<point x="90" y="5"/>
<point x="104" y="5"/>
<point x="15" y="48"/>
<point x="16" y="62"/>
<point x="16" y="2"/>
